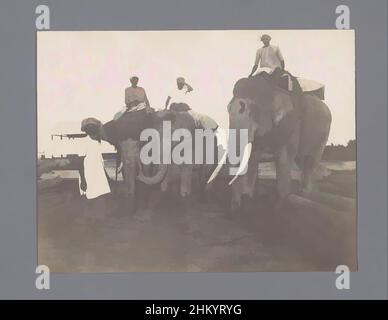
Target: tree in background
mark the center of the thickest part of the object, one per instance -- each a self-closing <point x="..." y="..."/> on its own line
<point x="340" y="153"/>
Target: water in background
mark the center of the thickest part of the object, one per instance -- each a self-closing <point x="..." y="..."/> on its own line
<point x="266" y="170"/>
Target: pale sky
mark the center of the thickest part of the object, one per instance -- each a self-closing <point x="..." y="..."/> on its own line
<point x="84" y="73"/>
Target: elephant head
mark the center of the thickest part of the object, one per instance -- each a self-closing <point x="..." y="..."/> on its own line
<point x="251" y="109"/>
<point x="287" y="125"/>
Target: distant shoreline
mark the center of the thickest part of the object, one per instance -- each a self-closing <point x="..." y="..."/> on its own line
<point x="331" y="153"/>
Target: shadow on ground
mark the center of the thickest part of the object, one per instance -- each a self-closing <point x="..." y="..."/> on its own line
<point x="196" y="235"/>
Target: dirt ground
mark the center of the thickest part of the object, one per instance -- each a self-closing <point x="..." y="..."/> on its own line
<point x="76" y="235"/>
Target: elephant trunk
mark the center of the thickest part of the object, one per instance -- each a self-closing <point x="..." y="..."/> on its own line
<point x="156" y="178"/>
<point x="218" y="168"/>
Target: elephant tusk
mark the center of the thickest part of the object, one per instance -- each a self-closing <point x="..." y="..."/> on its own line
<point x="120" y="167"/>
<point x="218" y="169"/>
<point x="244" y="161"/>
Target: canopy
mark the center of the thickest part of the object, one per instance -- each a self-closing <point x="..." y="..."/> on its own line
<point x="312" y="87"/>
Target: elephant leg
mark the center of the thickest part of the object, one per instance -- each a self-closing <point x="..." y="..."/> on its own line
<point x="252" y="173"/>
<point x="154" y="199"/>
<point x="200" y="180"/>
<point x="242" y="190"/>
<point x="129" y="158"/>
<point x="283" y="172"/>
<point x="143" y="190"/>
<point x="284" y="161"/>
<point x="308" y="169"/>
<point x="309" y="163"/>
<point x="165" y="182"/>
<point x="244" y="186"/>
<point x="186" y="179"/>
<point x="130" y="173"/>
<point x="237" y="192"/>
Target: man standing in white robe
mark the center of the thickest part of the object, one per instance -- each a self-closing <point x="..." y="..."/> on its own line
<point x="95" y="178"/>
<point x="93" y="181"/>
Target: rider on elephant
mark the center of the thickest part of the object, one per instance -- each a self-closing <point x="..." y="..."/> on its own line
<point x="136" y="106"/>
<point x="269" y="56"/>
<point x="272" y="68"/>
<point x="135" y="95"/>
<point x="135" y="99"/>
<point x="177" y="100"/>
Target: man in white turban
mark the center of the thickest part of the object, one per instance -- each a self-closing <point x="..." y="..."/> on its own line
<point x="178" y="97"/>
<point x="93" y="181"/>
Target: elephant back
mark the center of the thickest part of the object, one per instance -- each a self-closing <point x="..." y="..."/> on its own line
<point x="183" y="120"/>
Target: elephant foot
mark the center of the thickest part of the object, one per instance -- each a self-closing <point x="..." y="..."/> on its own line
<point x="235" y="205"/>
<point x="207" y="194"/>
<point x="184" y="194"/>
<point x="308" y="184"/>
<point x="246" y="202"/>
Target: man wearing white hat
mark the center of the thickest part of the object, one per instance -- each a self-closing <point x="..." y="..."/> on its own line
<point x="93" y="180"/>
<point x="269" y="57"/>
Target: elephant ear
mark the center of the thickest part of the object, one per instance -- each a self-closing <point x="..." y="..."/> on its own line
<point x="285" y="120"/>
<point x="262" y="116"/>
<point x="166" y="115"/>
<point x="90" y="125"/>
<point x="109" y="129"/>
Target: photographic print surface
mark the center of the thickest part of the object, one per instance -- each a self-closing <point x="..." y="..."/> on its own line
<point x="196" y="151"/>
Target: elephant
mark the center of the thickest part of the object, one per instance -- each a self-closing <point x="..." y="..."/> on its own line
<point x="275" y="124"/>
<point x="125" y="134"/>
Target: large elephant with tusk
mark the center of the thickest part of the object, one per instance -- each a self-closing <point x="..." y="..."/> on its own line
<point x="276" y="125"/>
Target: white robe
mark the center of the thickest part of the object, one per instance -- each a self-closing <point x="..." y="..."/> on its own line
<point x="97" y="183"/>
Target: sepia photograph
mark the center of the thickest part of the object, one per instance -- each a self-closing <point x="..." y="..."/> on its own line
<point x="196" y="151"/>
